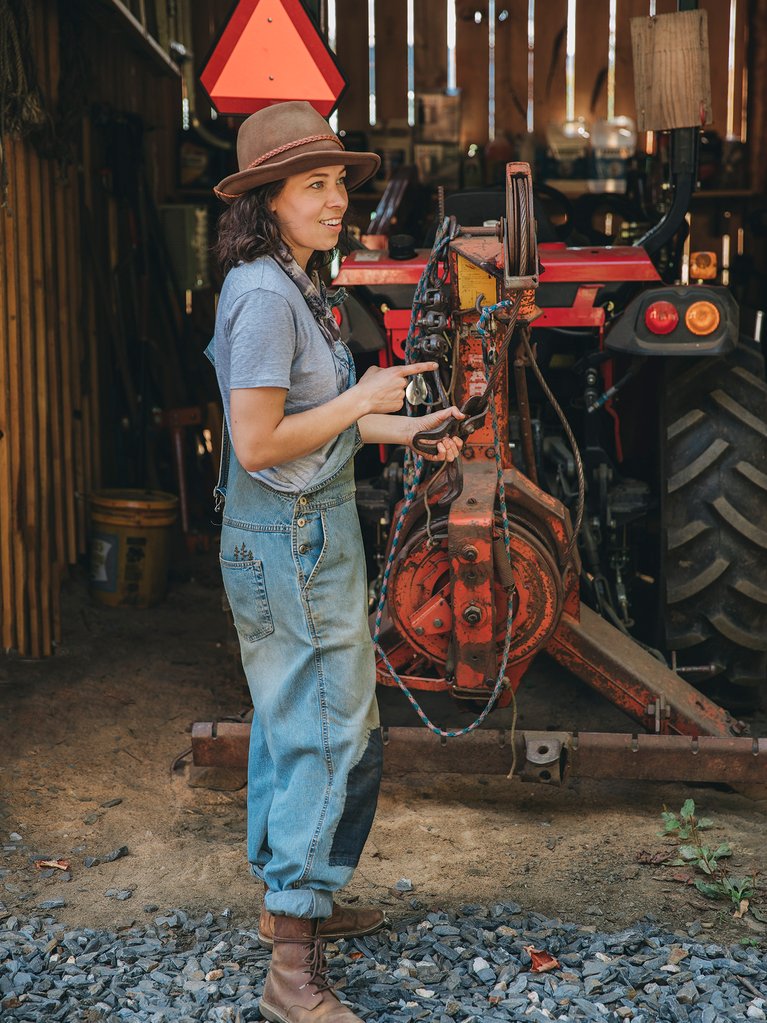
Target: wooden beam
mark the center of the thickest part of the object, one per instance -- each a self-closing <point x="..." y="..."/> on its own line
<point x="29" y="495"/>
<point x="471" y="57"/>
<point x="391" y="63"/>
<point x="591" y="45"/>
<point x="15" y="427"/>
<point x="8" y="428"/>
<point x="511" y="70"/>
<point x="624" y="61"/>
<point x="550" y="50"/>
<point x="430" y="46"/>
<point x="352" y="52"/>
<point x="757" y="96"/>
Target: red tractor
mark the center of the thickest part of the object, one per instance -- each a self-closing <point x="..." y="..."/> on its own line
<point x="606" y="508"/>
<point x="616" y="433"/>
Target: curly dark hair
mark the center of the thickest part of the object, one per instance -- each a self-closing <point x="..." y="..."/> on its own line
<point x="247" y="229"/>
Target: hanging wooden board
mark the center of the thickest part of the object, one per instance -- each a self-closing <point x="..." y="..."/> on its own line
<point x="672" y="80"/>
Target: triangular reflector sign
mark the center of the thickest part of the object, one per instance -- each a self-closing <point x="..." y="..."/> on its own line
<point x="270" y="51"/>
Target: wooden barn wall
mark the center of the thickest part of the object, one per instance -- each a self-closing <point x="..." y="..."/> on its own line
<point x="511" y="60"/>
<point x="54" y="349"/>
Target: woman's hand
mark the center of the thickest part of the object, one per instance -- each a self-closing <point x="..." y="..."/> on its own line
<point x="383" y="390"/>
<point x="449" y="448"/>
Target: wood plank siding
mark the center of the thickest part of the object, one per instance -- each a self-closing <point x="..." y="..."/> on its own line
<point x="55" y="354"/>
<point x="511" y="53"/>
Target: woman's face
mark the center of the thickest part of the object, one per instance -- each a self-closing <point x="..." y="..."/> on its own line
<point x="310" y="209"/>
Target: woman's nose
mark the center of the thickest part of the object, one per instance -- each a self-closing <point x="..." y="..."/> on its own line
<point x="338" y="199"/>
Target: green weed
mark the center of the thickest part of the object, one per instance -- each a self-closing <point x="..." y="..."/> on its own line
<point x="717" y="881"/>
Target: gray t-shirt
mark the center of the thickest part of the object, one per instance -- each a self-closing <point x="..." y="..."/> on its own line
<point x="266" y="336"/>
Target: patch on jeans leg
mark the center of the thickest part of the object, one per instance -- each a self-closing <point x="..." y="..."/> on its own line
<point x="360" y="806"/>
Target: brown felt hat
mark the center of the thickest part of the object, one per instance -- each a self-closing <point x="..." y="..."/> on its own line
<point x="289" y="138"/>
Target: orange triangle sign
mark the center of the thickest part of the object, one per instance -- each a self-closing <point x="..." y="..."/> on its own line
<point x="270" y="51"/>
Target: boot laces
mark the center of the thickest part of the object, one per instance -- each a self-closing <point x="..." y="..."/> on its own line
<point x="316" y="967"/>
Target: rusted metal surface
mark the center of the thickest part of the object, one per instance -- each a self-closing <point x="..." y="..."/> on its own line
<point x="634" y="680"/>
<point x="450" y="568"/>
<point x="449" y="603"/>
<point x="470" y="288"/>
<point x="220" y="743"/>
<point x="547" y="757"/>
<point x="736" y="761"/>
<point x="551" y="757"/>
<point x="472" y="585"/>
<point x="483" y="252"/>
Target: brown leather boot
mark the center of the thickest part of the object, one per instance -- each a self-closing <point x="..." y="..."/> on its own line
<point x="296" y="990"/>
<point x="343" y="923"/>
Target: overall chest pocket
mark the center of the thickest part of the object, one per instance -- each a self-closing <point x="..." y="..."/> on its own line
<point x="310" y="546"/>
<point x="246" y="593"/>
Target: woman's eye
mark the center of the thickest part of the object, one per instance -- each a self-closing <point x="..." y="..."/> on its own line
<point x="316" y="184"/>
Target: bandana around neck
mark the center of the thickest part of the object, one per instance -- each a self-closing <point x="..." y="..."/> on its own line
<point x="316" y="297"/>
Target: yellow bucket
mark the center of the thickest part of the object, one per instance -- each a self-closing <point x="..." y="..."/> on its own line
<point x="130" y="546"/>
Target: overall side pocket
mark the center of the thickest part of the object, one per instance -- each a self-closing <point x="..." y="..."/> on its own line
<point x="246" y="593"/>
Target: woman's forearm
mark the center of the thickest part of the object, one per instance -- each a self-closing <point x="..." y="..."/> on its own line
<point x="385" y="429"/>
<point x="293" y="436"/>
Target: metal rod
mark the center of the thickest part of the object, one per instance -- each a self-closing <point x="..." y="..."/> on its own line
<point x="560" y="755"/>
<point x="523" y="408"/>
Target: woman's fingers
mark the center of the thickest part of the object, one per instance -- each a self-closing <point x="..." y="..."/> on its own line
<point x="415" y="367"/>
<point x="447" y="450"/>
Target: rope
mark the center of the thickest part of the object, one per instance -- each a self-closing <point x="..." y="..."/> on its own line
<point x="411" y="485"/>
<point x="291" y="145"/>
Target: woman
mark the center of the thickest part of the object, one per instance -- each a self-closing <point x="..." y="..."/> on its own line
<point x="291" y="551"/>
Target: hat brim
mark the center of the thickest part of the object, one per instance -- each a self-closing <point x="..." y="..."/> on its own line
<point x="360" y="168"/>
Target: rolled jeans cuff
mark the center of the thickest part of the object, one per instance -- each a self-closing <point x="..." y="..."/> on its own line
<point x="303" y="902"/>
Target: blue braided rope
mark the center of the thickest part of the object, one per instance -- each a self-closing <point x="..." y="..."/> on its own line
<point x="411" y="487"/>
<point x="487" y="312"/>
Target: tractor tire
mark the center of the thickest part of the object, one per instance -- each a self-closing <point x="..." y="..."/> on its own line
<point x="713" y="522"/>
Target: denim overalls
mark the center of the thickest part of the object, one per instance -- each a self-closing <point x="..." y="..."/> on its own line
<point x="294" y="573"/>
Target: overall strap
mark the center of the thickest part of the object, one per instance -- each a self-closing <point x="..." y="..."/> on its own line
<point x="219" y="491"/>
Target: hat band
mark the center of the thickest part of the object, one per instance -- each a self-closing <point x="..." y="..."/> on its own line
<point x="292" y="145"/>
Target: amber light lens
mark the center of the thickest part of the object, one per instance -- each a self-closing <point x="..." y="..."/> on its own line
<point x="661" y="317"/>
<point x="702" y="318"/>
<point x="703" y="266"/>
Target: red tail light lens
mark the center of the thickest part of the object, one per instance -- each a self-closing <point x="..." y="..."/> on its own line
<point x="661" y="317"/>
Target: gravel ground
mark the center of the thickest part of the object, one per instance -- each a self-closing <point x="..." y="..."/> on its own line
<point x="474" y="965"/>
<point x="87" y="740"/>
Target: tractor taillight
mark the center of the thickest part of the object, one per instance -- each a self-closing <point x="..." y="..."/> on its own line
<point x="702" y="318"/>
<point x="661" y="317"/>
<point x="703" y="266"/>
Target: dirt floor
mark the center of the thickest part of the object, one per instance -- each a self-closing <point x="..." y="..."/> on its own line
<point x="104" y="721"/>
